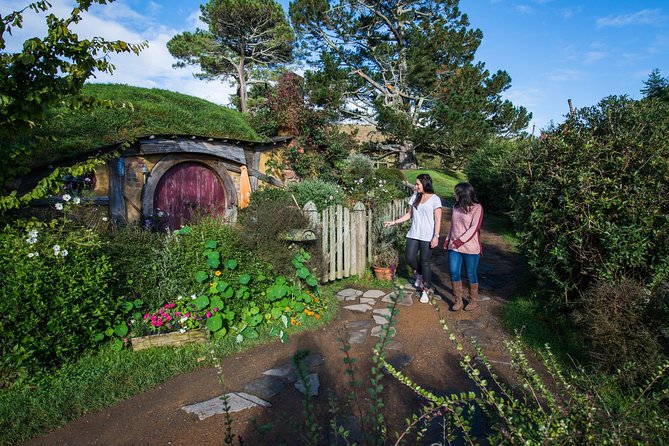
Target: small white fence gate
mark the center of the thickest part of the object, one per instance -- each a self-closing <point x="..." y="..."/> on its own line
<point x="345" y="236"/>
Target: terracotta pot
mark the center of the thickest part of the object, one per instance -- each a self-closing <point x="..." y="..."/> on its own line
<point x="382" y="273"/>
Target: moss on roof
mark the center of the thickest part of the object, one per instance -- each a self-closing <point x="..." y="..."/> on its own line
<point x="153" y="111"/>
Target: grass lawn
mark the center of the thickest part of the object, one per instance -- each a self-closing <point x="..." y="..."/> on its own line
<point x="443" y="182"/>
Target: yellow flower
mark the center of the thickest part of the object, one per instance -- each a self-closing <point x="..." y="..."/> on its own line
<point x="218" y="273"/>
<point x="293" y="321"/>
<point x="287" y="309"/>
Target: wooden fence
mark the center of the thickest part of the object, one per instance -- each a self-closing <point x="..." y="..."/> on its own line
<point x="345" y="236"/>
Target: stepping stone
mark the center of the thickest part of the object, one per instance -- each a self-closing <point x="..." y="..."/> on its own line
<point x="381" y="320"/>
<point x="357" y="337"/>
<point x="479" y="336"/>
<point x="367" y="300"/>
<point x="237" y="402"/>
<point x="286" y="371"/>
<point x="348" y="292"/>
<point x="466" y="324"/>
<point x="484" y="298"/>
<point x="376" y="331"/>
<point x="394" y="345"/>
<point x="382" y="311"/>
<point x="357" y="325"/>
<point x="351" y="298"/>
<point x="375" y="294"/>
<point x="265" y="387"/>
<point x="313" y="360"/>
<point x="359" y="308"/>
<point x="312" y="381"/>
<point x="399" y="360"/>
<point x="405" y="300"/>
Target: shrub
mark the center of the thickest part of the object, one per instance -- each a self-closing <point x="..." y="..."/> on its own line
<point x="362" y="182"/>
<point x="492" y="172"/>
<point x="593" y="197"/>
<point x="54" y="296"/>
<point x="614" y="317"/>
<point x="323" y="194"/>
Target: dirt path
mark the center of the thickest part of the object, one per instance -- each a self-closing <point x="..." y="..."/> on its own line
<point x="420" y="347"/>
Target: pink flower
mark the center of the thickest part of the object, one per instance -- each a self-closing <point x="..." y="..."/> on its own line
<point x="146" y="316"/>
<point x="177" y="314"/>
<point x="187" y="314"/>
<point x="208" y="315"/>
<point x="215" y="309"/>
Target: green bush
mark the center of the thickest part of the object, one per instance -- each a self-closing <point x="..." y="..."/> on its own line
<point x="492" y="172"/>
<point x="323" y="194"/>
<point x="593" y="198"/>
<point x="54" y="296"/>
<point x="362" y="182"/>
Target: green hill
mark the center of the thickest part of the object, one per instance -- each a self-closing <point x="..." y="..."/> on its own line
<point x="147" y="111"/>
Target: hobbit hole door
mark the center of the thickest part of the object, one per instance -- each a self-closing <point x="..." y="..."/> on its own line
<point x="186" y="190"/>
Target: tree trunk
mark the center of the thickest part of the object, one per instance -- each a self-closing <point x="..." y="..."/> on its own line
<point x="407" y="156"/>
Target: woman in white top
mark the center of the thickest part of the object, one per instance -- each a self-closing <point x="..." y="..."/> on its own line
<point x="425" y="216"/>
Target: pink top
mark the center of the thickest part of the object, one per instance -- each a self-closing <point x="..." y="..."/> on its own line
<point x="466" y="227"/>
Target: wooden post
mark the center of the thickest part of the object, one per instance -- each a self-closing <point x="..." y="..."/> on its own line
<point x="347" y="242"/>
<point x="325" y="243"/>
<point x="311" y="212"/>
<point x="332" y="243"/>
<point x="340" y="242"/>
<point x="361" y="237"/>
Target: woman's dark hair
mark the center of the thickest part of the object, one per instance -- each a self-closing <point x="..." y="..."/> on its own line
<point x="465" y="197"/>
<point x="426" y="180"/>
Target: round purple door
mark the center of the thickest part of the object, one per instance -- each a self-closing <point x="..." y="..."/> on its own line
<point x="187" y="190"/>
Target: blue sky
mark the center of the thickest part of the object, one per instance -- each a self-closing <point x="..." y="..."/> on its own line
<point x="554" y="50"/>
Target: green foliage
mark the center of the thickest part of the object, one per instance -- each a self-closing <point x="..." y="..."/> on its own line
<point x="245" y="39"/>
<point x="492" y="170"/>
<point x="443" y="182"/>
<point x="55" y="296"/>
<point x="656" y="86"/>
<point x="317" y="145"/>
<point x="47" y="72"/>
<point x="323" y="194"/>
<point x="593" y="197"/>
<point x="411" y="70"/>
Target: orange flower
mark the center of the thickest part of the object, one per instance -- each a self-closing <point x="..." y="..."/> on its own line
<point x="318" y="316"/>
<point x="218" y="273"/>
<point x="316" y="299"/>
<point x="293" y="321"/>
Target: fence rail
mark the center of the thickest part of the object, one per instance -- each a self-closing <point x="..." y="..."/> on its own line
<point x="346" y="236"/>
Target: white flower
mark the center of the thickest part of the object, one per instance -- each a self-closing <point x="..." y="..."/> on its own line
<point x="183" y="319"/>
<point x="182" y="330"/>
<point x="67" y="197"/>
<point x="76" y="200"/>
<point x="56" y="249"/>
<point x="179" y="297"/>
<point x="33" y="233"/>
<point x="64" y="252"/>
<point x="59" y="206"/>
<point x="32" y="254"/>
<point x="31" y="240"/>
<point x="104" y="219"/>
<point x="193" y="296"/>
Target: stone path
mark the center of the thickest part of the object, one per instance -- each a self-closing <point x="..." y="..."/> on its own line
<point x="259" y="390"/>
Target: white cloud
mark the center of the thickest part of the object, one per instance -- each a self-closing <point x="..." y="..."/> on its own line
<point x="568" y="13"/>
<point x="524" y="9"/>
<point x="565" y="75"/>
<point x="594" y="56"/>
<point x="644" y="17"/>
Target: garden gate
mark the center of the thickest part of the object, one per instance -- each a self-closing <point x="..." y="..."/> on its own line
<point x="346" y="244"/>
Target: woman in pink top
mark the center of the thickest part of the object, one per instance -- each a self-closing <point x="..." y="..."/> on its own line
<point x="464" y="243"/>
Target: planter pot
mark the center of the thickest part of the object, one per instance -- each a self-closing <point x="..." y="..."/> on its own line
<point x="383" y="273"/>
<point x="174" y="339"/>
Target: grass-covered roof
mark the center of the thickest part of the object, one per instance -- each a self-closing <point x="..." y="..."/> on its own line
<point x="148" y="111"/>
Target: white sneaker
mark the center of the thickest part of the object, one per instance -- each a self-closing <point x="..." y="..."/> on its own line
<point x="424" y="298"/>
<point x="419" y="281"/>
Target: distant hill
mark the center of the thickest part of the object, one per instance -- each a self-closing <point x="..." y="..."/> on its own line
<point x="148" y="111"/>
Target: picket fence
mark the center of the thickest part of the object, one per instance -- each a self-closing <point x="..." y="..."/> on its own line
<point x="345" y="236"/>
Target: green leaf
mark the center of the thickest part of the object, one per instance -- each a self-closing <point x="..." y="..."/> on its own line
<point x="127" y="306"/>
<point x="311" y="281"/>
<point x="254" y="310"/>
<point x="183" y="231"/>
<point x="109" y="331"/>
<point x="98" y="337"/>
<point x="250" y="333"/>
<point x="121" y="329"/>
<point x="201" y="276"/>
<point x="201" y="302"/>
<point x="215" y="323"/>
<point x="303" y="273"/>
<point x="244" y="279"/>
<point x="231" y="264"/>
<point x="211" y="244"/>
<point x="117" y="345"/>
<point x="137" y="316"/>
<point x="138" y="303"/>
<point x="276" y="313"/>
<point x="216" y="302"/>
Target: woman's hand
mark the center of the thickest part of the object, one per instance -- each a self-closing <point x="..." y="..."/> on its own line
<point x="387" y="224"/>
<point x="435" y="241"/>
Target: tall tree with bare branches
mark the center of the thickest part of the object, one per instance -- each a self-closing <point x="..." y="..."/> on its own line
<point x="245" y="39"/>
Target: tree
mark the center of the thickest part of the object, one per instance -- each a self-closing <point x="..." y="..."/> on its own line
<point x="48" y="71"/>
<point x="409" y="69"/>
<point x="245" y="38"/>
<point x="656" y="86"/>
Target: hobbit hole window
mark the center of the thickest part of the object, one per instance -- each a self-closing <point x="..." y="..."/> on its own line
<point x="79" y="185"/>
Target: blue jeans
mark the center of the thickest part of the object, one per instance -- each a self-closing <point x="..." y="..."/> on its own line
<point x="471" y="261"/>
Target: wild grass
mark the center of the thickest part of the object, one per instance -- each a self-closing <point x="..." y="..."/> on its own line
<point x="443" y="182"/>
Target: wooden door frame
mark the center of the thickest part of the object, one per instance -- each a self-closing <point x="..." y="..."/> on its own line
<point x="166" y="163"/>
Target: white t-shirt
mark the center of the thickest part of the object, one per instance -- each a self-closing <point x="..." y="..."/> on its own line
<point x="422" y="218"/>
